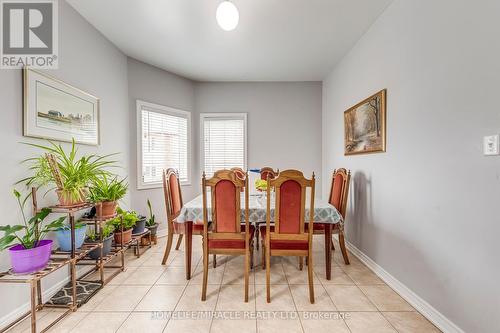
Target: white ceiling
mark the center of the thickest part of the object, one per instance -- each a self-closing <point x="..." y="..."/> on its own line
<point x="276" y="40"/>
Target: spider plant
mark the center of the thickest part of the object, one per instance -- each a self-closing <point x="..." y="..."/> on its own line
<point x="33" y="228"/>
<point x="106" y="231"/>
<point x="150" y="222"/>
<point x="65" y="171"/>
<point x="103" y="188"/>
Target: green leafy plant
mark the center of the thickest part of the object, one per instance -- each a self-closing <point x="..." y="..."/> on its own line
<point x="104" y="188"/>
<point x="74" y="174"/>
<point x="78" y="225"/>
<point x="33" y="228"/>
<point x="129" y="218"/>
<point x="106" y="230"/>
<point x="151" y="220"/>
<point x="261" y="185"/>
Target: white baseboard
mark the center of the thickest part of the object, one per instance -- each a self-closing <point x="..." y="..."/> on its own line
<point x="21" y="310"/>
<point x="427" y="310"/>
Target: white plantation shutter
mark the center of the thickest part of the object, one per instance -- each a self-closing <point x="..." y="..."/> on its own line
<point x="224" y="141"/>
<point x="164" y="140"/>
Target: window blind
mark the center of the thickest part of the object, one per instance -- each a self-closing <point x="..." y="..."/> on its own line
<point x="224" y="142"/>
<point x="164" y="145"/>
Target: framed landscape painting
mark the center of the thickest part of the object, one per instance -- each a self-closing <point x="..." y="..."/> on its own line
<point x="364" y="126"/>
<point x="57" y="111"/>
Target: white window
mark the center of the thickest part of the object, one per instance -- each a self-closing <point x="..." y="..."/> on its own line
<point x="224" y="141"/>
<point x="163" y="141"/>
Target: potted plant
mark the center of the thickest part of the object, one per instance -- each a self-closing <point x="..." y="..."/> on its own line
<point x="140" y="224"/>
<point x="63" y="171"/>
<point x="128" y="221"/>
<point x="151" y="223"/>
<point x="64" y="236"/>
<point x="107" y="241"/>
<point x="31" y="252"/>
<point x="107" y="191"/>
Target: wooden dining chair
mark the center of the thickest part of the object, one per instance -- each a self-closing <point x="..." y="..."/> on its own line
<point x="227" y="235"/>
<point x="288" y="236"/>
<point x="339" y="193"/>
<point x="173" y="205"/>
<point x="268" y="171"/>
<point x="240" y="173"/>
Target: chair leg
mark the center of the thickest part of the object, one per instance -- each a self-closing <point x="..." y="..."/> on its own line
<point x="301" y="263"/>
<point x="214" y="261"/>
<point x="251" y="256"/>
<point x="179" y="241"/>
<point x="310" y="276"/>
<point x="257" y="236"/>
<point x="333" y="246"/>
<point x="205" y="276"/>
<point x="170" y="238"/>
<point x="263" y="257"/>
<point x="343" y="249"/>
<point x="247" y="272"/>
<point x="268" y="275"/>
<point x="188" y="244"/>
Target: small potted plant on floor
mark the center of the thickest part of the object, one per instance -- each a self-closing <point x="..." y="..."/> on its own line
<point x="151" y="223"/>
<point x="128" y="221"/>
<point x="64" y="236"/>
<point x="140" y="224"/>
<point x="29" y="252"/>
<point x="107" y="191"/>
<point x="107" y="241"/>
<point x="63" y="171"/>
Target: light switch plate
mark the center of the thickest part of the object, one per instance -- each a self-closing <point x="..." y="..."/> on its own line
<point x="491" y="145"/>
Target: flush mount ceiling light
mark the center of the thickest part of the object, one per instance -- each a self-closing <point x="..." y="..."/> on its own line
<point x="227" y="15"/>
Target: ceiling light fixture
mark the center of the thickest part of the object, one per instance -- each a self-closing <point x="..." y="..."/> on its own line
<point x="227" y="15"/>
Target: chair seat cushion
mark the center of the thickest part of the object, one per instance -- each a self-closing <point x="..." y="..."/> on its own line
<point x="284" y="244"/>
<point x="231" y="243"/>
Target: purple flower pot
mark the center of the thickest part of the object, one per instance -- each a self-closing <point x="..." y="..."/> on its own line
<point x="25" y="261"/>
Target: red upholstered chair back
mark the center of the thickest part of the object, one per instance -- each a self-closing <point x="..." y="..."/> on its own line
<point x="290" y="187"/>
<point x="339" y="191"/>
<point x="172" y="193"/>
<point x="267" y="171"/>
<point x="225" y="187"/>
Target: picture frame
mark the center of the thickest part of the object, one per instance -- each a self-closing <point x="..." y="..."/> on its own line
<point x="365" y="126"/>
<point x="55" y="110"/>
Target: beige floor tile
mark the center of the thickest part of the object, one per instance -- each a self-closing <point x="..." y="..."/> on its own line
<point x="173" y="275"/>
<point x="338" y="276"/>
<point x="368" y="322"/>
<point x="361" y="275"/>
<point x="26" y="323"/>
<point x="188" y="326"/>
<point x="410" y="322"/>
<point x="154" y="259"/>
<point x="349" y="298"/>
<point x="143" y="322"/>
<point x="235" y="274"/>
<point x="327" y="322"/>
<point x="385" y="299"/>
<point x="322" y="301"/>
<point x="131" y="259"/>
<point x="97" y="298"/>
<point x="160" y="298"/>
<point x="122" y="298"/>
<point x="121" y="277"/>
<point x="144" y="276"/>
<point x="232" y="326"/>
<point x="67" y="324"/>
<point x="215" y="275"/>
<point x="279" y="325"/>
<point x="101" y="322"/>
<point x="232" y="298"/>
<point x="281" y="298"/>
<point x="191" y="298"/>
<point x="277" y="275"/>
<point x="296" y="276"/>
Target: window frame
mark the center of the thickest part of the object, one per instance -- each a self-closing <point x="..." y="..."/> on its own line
<point x="153" y="107"/>
<point x="223" y="115"/>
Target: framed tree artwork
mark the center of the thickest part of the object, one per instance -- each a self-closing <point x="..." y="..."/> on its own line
<point x="365" y="126"/>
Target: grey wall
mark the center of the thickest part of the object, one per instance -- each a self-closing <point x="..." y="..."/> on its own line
<point x="427" y="209"/>
<point x="283" y="122"/>
<point x="155" y="85"/>
<point x="89" y="62"/>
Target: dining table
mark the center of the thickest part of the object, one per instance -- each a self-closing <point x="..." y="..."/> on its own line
<point x="324" y="213"/>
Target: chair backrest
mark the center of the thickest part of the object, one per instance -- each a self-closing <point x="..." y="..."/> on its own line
<point x="172" y="193"/>
<point x="290" y="191"/>
<point x="225" y="187"/>
<point x="268" y="171"/>
<point x="240" y="173"/>
<point x="339" y="191"/>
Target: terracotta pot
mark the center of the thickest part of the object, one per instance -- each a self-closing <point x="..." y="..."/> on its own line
<point x="108" y="208"/>
<point x="65" y="200"/>
<point x="124" y="236"/>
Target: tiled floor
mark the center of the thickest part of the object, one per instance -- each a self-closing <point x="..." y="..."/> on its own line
<point x="142" y="299"/>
